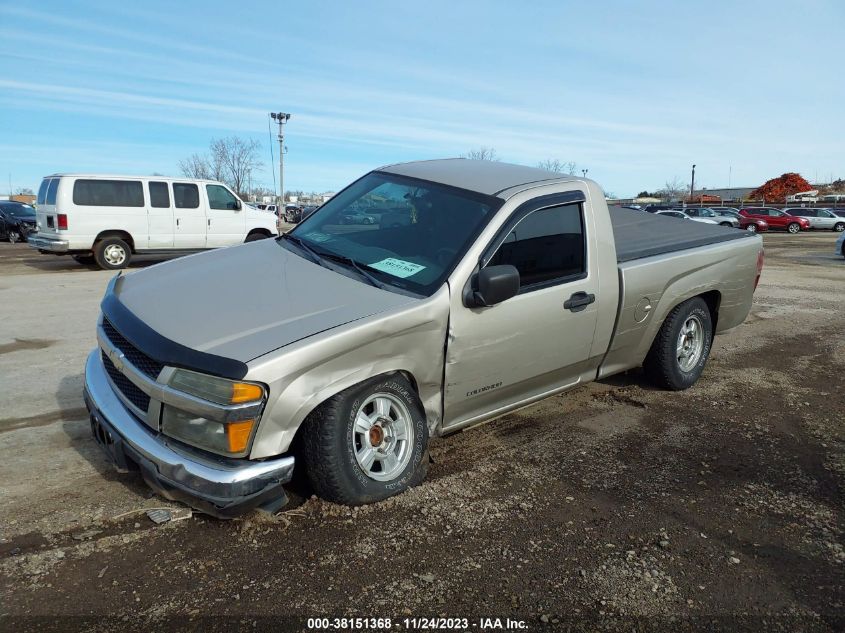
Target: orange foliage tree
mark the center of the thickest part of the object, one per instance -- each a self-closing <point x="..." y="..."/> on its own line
<point x="776" y="189"/>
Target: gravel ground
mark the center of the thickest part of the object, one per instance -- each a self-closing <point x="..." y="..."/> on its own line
<point x="613" y="507"/>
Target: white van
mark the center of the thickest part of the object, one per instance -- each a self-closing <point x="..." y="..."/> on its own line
<point x="105" y="219"/>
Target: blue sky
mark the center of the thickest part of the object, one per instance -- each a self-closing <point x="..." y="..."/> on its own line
<point x="635" y="92"/>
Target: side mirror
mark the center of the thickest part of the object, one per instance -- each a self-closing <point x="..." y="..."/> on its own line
<point x="238" y="205"/>
<point x="492" y="285"/>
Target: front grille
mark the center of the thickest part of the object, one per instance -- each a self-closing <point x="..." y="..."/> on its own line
<point x="126" y="386"/>
<point x="139" y="359"/>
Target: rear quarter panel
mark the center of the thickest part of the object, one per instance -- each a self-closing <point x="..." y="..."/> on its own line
<point x="664" y="281"/>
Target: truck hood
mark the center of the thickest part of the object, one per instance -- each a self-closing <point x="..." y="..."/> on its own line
<point x="245" y="301"/>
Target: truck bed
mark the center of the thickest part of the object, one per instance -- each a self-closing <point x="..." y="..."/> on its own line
<point x="640" y="234"/>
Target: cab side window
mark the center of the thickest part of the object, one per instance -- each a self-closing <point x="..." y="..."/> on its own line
<point x="221" y="198"/>
<point x="546" y="247"/>
<point x="185" y="195"/>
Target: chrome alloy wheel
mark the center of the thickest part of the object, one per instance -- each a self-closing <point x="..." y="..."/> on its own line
<point x="382" y="437"/>
<point x="114" y="254"/>
<point x="690" y="343"/>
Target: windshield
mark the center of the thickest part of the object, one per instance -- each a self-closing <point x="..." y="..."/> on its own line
<point x="22" y="211"/>
<point x="404" y="232"/>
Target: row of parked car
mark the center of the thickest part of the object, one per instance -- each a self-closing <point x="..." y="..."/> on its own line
<point x="292" y="214"/>
<point x="758" y="219"/>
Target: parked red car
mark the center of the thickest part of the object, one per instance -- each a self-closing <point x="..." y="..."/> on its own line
<point x="754" y="225"/>
<point x="776" y="218"/>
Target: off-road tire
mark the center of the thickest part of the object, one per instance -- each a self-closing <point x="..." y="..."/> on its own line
<point x="327" y="451"/>
<point x="661" y="364"/>
<point x="793" y="227"/>
<point x="101" y="249"/>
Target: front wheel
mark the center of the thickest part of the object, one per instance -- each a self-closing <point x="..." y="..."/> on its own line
<point x="681" y="347"/>
<point x="793" y="228"/>
<point x="839" y="227"/>
<point x="751" y="228"/>
<point x="367" y="443"/>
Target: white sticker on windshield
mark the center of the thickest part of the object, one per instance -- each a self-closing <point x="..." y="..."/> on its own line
<point x="397" y="267"/>
<point x="316" y="236"/>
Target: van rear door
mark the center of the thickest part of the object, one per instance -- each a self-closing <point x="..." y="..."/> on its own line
<point x="46" y="213"/>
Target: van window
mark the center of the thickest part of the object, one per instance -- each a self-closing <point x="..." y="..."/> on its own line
<point x="159" y="195"/>
<point x="546" y="246"/>
<point x="186" y="196"/>
<point x="42" y="191"/>
<point x="107" y="193"/>
<point x="51" y="191"/>
<point x="220" y="198"/>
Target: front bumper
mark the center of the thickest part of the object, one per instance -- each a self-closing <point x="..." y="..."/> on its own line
<point x="48" y="244"/>
<point x="215" y="485"/>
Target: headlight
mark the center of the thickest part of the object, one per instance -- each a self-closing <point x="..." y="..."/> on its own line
<point x="214" y="389"/>
<point x="228" y="438"/>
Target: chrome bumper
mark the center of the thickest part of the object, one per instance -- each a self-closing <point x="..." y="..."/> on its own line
<point x="48" y="244"/>
<point x="219" y="486"/>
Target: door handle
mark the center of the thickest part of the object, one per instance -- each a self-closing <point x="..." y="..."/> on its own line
<point x="177" y="221"/>
<point x="209" y="221"/>
<point x="579" y="301"/>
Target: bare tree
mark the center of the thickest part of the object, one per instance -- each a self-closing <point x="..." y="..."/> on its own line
<point x="482" y="153"/>
<point x="674" y="189"/>
<point x="557" y="166"/>
<point x="23" y="191"/>
<point x="231" y="160"/>
<point x="195" y="166"/>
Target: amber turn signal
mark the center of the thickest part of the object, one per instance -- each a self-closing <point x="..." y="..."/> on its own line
<point x="237" y="435"/>
<point x="245" y="392"/>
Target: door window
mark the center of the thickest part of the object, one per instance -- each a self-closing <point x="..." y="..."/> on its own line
<point x="186" y="195"/>
<point x="159" y="195"/>
<point x="42" y="191"/>
<point x="546" y="247"/>
<point x="221" y="198"/>
<point x="51" y="191"/>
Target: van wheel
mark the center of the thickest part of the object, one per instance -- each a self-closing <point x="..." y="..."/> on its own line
<point x="367" y="443"/>
<point x="112" y="253"/>
<point x="254" y="237"/>
<point x="681" y="347"/>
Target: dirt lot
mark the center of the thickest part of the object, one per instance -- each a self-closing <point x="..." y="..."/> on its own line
<point x="613" y="507"/>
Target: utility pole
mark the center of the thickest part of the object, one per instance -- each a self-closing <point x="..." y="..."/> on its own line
<point x="281" y="118"/>
<point x="692" y="185"/>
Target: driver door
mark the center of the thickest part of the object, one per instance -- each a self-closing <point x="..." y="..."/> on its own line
<point x="531" y="344"/>
<point x="226" y="220"/>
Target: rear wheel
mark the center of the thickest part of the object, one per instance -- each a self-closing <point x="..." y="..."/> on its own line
<point x="112" y="253"/>
<point x="728" y="224"/>
<point x="681" y="347"/>
<point x="793" y="227"/>
<point x="367" y="443"/>
<point x="14" y="236"/>
<point x="839" y="227"/>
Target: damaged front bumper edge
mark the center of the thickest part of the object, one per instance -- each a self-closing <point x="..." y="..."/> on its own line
<point x="218" y="486"/>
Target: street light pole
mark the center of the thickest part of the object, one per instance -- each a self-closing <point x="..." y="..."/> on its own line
<point x="692" y="185"/>
<point x="584" y="172"/>
<point x="281" y="118"/>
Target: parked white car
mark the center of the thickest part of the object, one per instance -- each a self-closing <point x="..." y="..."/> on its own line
<point x="683" y="216"/>
<point x="819" y="218"/>
<point x="106" y="219"/>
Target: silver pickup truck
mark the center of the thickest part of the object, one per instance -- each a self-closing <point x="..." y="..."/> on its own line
<point x="479" y="288"/>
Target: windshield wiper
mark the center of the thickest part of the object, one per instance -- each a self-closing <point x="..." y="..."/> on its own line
<point x="343" y="259"/>
<point x="312" y="254"/>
